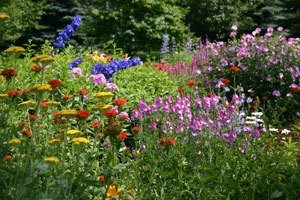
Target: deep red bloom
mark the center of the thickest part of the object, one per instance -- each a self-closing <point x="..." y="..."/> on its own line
<point x="122" y="135"/>
<point x="113" y="129"/>
<point x="82" y="91"/>
<point x="181" y="90"/>
<point x="36" y="68"/>
<point x="67" y="96"/>
<point x="95" y="124"/>
<point x="110" y="113"/>
<point x="32" y="116"/>
<point x="167" y="141"/>
<point x="226" y="81"/>
<point x="13" y="93"/>
<point x="8" y="73"/>
<point x="234" y="69"/>
<point x="101" y="178"/>
<point x="25" y="91"/>
<point x="120" y="101"/>
<point x="136" y="128"/>
<point x="256" y="101"/>
<point x="26" y="132"/>
<point x="44" y="103"/>
<point x="55" y="83"/>
<point x="191" y="83"/>
<point x="83" y="113"/>
<point x="8" y="157"/>
<point x="295" y="89"/>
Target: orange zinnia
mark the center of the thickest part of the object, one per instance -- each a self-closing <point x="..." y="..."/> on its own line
<point x="234" y="69"/>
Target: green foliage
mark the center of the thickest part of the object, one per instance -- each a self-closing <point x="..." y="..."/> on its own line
<point x="134" y="25"/>
<point x="213" y="18"/>
<point x="144" y="82"/>
<point x="285" y="13"/>
<point x="24" y="17"/>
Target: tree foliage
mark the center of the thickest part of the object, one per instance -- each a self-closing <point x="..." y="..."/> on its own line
<point x="136" y="24"/>
<point x="24" y="17"/>
<point x="213" y="18"/>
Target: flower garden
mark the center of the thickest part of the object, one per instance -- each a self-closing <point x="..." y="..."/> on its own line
<point x="218" y="122"/>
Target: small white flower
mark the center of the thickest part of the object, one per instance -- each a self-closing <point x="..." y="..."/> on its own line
<point x="250" y="122"/>
<point x="251" y="118"/>
<point x="257" y="113"/>
<point x="260" y="120"/>
<point x="285" y="131"/>
<point x="273" y="129"/>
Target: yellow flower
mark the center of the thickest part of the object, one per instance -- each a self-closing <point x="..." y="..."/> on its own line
<point x="4" y="16"/>
<point x="26" y="104"/>
<point x="14" y="141"/>
<point x="67" y="113"/>
<point x="97" y="58"/>
<point x="102" y="107"/>
<point x="103" y="94"/>
<point x="3" y="96"/>
<point x="113" y="192"/>
<point x="14" y="49"/>
<point x="54" y="141"/>
<point x="52" y="103"/>
<point x="105" y="97"/>
<point x="40" y="88"/>
<point x="80" y="140"/>
<point x="43" y="59"/>
<point x="51" y="160"/>
<point x="73" y="132"/>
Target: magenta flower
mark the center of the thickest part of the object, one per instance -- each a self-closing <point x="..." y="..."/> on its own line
<point x="76" y="71"/>
<point x="98" y="79"/>
<point x="276" y="93"/>
<point x="111" y="87"/>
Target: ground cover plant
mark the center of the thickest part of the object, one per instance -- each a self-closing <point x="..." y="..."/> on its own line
<point x="77" y="124"/>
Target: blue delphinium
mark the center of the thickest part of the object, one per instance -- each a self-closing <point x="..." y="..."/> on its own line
<point x="67" y="32"/>
<point x="165" y="47"/>
<point x="114" y="66"/>
<point x="75" y="63"/>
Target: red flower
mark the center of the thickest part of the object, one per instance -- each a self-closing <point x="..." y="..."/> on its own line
<point x="226" y="81"/>
<point x="67" y="96"/>
<point x="55" y="83"/>
<point x="44" y="103"/>
<point x="256" y="101"/>
<point x="209" y="94"/>
<point x="36" y="68"/>
<point x="122" y="135"/>
<point x="95" y="124"/>
<point x="136" y="128"/>
<point x="234" y="69"/>
<point x="120" y="101"/>
<point x="191" y="83"/>
<point x="25" y="91"/>
<point x="113" y="129"/>
<point x="26" y="132"/>
<point x="8" y="157"/>
<point x="295" y="89"/>
<point x="13" y="93"/>
<point x="83" y="114"/>
<point x="110" y="113"/>
<point x="32" y="116"/>
<point x="167" y="141"/>
<point x="101" y="178"/>
<point x="82" y="91"/>
<point x="181" y="90"/>
<point x="8" y="73"/>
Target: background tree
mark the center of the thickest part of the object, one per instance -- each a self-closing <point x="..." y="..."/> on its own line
<point x="24" y="18"/>
<point x="135" y="25"/>
<point x="285" y="13"/>
<point x="213" y="18"/>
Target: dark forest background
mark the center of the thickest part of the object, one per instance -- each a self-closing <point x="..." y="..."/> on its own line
<point x="139" y="25"/>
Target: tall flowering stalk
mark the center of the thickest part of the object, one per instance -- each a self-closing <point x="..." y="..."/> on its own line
<point x="114" y="66"/>
<point x="67" y="32"/>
